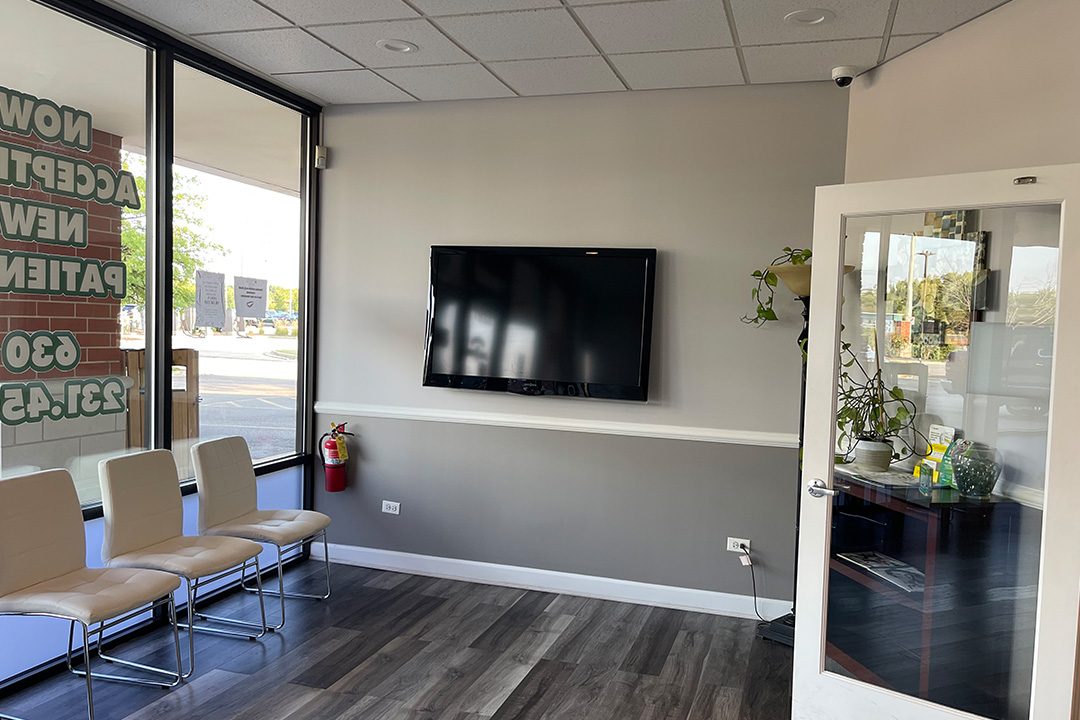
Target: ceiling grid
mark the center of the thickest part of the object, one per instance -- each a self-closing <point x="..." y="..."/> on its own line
<point x="464" y="49"/>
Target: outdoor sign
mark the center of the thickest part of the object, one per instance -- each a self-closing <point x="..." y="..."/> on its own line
<point x="209" y="299"/>
<point x="249" y="295"/>
<point x="55" y="275"/>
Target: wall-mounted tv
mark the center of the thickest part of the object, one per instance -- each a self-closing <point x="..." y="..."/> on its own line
<point x="541" y="320"/>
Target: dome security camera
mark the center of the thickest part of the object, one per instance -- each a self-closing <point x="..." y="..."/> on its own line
<point x="843" y="75"/>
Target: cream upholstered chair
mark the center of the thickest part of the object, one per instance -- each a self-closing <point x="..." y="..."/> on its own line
<point x="144" y="517"/>
<point x="228" y="505"/>
<point x="43" y="573"/>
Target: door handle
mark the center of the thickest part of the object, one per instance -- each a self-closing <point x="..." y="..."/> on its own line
<point x="818" y="489"/>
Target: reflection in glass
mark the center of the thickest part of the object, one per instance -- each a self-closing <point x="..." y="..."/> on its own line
<point x="539" y="316"/>
<point x="933" y="579"/>
<point x="236" y="214"/>
<point x="70" y="425"/>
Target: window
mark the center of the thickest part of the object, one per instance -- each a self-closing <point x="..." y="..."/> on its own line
<point x="72" y="338"/>
<point x="236" y="267"/>
<point x="86" y="329"/>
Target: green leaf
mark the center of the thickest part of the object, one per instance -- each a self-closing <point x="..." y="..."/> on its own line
<point x="770" y="314"/>
<point x="753" y="293"/>
<point x="770" y="279"/>
<point x="757" y="274"/>
<point x="897" y="393"/>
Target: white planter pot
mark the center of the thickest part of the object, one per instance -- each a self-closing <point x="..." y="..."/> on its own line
<point x="873" y="456"/>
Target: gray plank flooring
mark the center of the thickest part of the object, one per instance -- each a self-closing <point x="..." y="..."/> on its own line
<point x="388" y="646"/>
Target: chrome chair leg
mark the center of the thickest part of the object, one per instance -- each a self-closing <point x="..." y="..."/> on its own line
<point x="89" y="682"/>
<point x="192" y="614"/>
<point x="280" y="592"/>
<point x="100" y="632"/>
<point x="86" y="658"/>
<point x="86" y="655"/>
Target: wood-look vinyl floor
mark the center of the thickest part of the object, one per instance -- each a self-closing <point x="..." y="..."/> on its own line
<point x="388" y="646"/>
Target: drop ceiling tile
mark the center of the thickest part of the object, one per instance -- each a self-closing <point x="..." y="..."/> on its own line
<point x="279" y="51"/>
<point x="935" y="16"/>
<point x="358" y="42"/>
<point x="762" y="23"/>
<point x="900" y="44"/>
<point x="448" y="82"/>
<point x="345" y="87"/>
<point x="523" y="35"/>
<point x="663" y="25"/>
<point x="196" y="16"/>
<point x="306" y="12"/>
<point x="685" y="68"/>
<point x="803" y="62"/>
<point x="559" y="76"/>
<point x="461" y="7"/>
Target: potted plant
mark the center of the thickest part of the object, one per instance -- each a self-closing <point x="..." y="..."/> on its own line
<point x="872" y="418"/>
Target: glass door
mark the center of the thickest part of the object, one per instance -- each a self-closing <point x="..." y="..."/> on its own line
<point x="937" y="453"/>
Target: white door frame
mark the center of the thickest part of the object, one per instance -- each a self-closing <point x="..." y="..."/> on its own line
<point x="819" y="694"/>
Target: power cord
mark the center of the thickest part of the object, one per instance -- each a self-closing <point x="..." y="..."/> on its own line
<point x="753" y="579"/>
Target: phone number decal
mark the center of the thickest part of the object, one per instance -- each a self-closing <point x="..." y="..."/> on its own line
<point x="40" y="351"/>
<point x="32" y="401"/>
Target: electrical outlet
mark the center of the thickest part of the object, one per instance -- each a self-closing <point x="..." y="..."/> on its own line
<point x="733" y="544"/>
<point x="391" y="506"/>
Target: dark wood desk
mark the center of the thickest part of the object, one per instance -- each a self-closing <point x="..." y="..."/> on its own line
<point x="919" y="643"/>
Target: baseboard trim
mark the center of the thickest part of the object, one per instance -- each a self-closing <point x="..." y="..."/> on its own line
<point x="543" y="422"/>
<point x="708" y="601"/>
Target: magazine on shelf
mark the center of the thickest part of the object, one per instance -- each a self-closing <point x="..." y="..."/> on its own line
<point x="871" y="559"/>
<point x="891" y="478"/>
<point x="906" y="578"/>
<point x="893" y="571"/>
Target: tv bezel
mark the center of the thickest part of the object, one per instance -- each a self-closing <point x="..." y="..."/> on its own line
<point x="545" y="386"/>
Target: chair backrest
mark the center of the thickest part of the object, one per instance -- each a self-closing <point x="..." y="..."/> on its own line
<point x="41" y="529"/>
<point x="226" y="480"/>
<point x="140" y="494"/>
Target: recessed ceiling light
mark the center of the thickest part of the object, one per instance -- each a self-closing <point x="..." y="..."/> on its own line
<point x="398" y="46"/>
<point x="813" y="16"/>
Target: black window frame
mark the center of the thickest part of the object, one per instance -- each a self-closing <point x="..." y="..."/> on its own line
<point x="163" y="52"/>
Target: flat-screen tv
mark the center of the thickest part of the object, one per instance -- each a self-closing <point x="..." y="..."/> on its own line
<point x="541" y="320"/>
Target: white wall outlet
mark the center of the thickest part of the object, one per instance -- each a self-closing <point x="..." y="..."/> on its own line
<point x="733" y="544"/>
<point x="391" y="506"/>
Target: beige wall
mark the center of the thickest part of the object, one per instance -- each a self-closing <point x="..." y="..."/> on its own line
<point x="1001" y="92"/>
<point x="717" y="180"/>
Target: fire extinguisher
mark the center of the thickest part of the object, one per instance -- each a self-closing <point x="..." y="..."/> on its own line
<point x="334" y="456"/>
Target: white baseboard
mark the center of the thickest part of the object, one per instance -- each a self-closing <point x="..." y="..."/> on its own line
<point x="708" y="601"/>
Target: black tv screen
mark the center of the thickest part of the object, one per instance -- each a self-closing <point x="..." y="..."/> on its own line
<point x="541" y="321"/>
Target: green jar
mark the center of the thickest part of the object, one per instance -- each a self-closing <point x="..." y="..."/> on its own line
<point x="976" y="468"/>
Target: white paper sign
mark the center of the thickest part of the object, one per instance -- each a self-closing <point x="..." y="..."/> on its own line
<point x="250" y="297"/>
<point x="209" y="299"/>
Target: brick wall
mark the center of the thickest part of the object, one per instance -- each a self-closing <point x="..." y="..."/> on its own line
<point x="76" y="443"/>
<point x="94" y="321"/>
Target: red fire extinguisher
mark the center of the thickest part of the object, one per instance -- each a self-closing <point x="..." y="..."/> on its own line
<point x="335" y="456"/>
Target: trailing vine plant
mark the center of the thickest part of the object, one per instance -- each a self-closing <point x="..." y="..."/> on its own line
<point x="866" y="409"/>
<point x="765" y="291"/>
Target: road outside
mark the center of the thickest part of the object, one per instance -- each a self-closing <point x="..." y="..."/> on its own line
<point x="247" y="387"/>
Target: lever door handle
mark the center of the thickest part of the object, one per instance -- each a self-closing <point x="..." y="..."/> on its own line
<point x="818" y="489"/>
